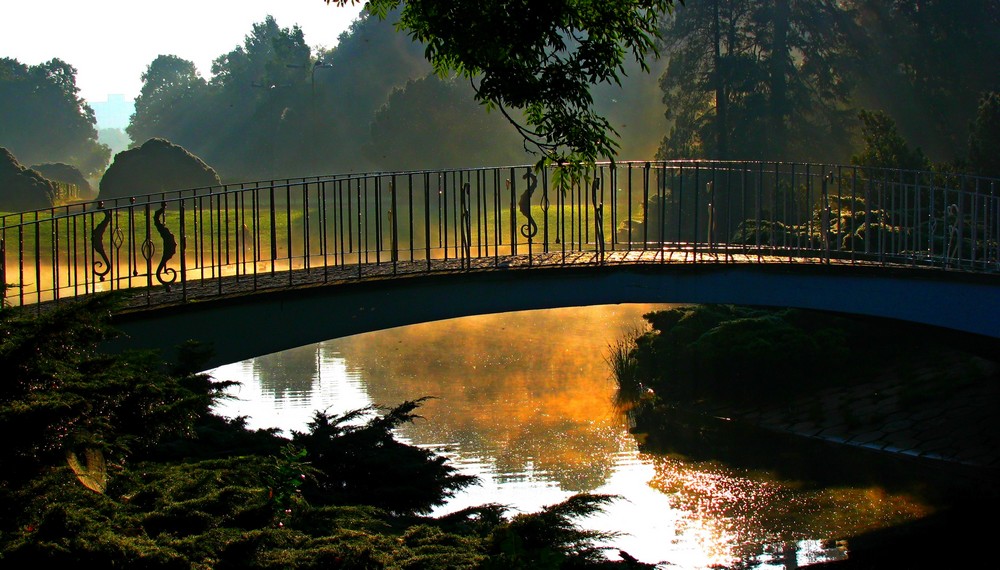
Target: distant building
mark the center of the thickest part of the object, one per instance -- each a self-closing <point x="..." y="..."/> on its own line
<point x="113" y="113"/>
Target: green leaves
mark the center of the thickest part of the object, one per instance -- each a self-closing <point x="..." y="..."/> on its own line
<point x="60" y="395"/>
<point x="42" y="118"/>
<point x="537" y="57"/>
<point x="360" y="462"/>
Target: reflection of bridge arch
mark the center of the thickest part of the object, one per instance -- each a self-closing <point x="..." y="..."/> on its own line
<point x="172" y="248"/>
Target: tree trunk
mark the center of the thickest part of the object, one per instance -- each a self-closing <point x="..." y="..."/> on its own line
<point x="722" y="133"/>
<point x="779" y="64"/>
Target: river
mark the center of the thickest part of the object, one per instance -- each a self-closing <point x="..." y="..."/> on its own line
<point x="524" y="401"/>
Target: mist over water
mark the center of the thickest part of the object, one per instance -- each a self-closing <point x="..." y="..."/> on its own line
<point x="524" y="402"/>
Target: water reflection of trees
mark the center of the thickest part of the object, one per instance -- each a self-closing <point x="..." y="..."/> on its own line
<point x="290" y="374"/>
<point x="528" y="392"/>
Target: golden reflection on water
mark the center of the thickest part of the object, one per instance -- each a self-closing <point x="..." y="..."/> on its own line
<point x="526" y="400"/>
<point x="516" y="389"/>
<point x="738" y="514"/>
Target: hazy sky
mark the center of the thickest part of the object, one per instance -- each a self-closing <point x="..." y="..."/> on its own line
<point x="110" y="42"/>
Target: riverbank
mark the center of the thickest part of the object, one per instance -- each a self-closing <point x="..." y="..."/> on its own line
<point x="929" y="415"/>
<point x="916" y="391"/>
<point x="923" y="420"/>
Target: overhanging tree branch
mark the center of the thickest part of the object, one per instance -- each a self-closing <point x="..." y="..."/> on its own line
<point x="519" y="48"/>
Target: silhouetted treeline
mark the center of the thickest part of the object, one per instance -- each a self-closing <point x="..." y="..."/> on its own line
<point x="273" y="108"/>
<point x="739" y="79"/>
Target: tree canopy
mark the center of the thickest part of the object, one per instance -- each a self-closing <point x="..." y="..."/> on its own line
<point x="757" y="78"/>
<point x="43" y="119"/>
<point x="927" y="63"/>
<point x="538" y="57"/>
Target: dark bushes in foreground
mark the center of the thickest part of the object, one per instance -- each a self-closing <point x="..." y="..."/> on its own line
<point x="116" y="461"/>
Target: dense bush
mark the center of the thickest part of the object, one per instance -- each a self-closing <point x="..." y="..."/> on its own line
<point x="116" y="461"/>
<point x="22" y="189"/>
<point x="156" y="166"/>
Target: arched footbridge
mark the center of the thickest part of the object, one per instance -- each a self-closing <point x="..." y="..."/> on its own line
<point x="258" y="267"/>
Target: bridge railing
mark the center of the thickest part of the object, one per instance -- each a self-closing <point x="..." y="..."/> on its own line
<point x="228" y="239"/>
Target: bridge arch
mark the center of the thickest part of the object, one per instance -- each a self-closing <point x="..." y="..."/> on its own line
<point x="251" y="325"/>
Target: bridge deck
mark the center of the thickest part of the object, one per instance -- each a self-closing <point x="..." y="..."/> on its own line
<point x="299" y="278"/>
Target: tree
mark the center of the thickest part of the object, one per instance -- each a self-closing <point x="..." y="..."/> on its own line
<point x="757" y="79"/>
<point x="171" y="86"/>
<point x="433" y="109"/>
<point x="984" y="140"/>
<point x="537" y="57"/>
<point x="67" y="175"/>
<point x="156" y="166"/>
<point x="270" y="56"/>
<point x="884" y="146"/>
<point x="42" y="118"/>
<point x="926" y="64"/>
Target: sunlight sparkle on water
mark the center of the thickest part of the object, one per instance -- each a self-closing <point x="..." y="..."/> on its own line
<point x="524" y="403"/>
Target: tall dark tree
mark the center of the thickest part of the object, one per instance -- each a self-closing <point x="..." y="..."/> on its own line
<point x="758" y="79"/>
<point x="927" y="63"/>
<point x="266" y="84"/>
<point x="43" y="119"/>
<point x="271" y="57"/>
<point x="984" y="140"/>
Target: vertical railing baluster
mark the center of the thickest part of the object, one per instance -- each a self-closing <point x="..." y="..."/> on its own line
<point x="393" y="220"/>
<point x="183" y="250"/>
<point x="427" y="218"/>
<point x="409" y="213"/>
<point x="362" y="217"/>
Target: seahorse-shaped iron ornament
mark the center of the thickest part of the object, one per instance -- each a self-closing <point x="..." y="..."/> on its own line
<point x="598" y="201"/>
<point x="169" y="248"/>
<point x="530" y="229"/>
<point x="97" y="239"/>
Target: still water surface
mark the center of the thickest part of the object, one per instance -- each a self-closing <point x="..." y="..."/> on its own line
<point x="524" y="402"/>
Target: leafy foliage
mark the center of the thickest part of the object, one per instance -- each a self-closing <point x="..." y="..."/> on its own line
<point x="21" y="188"/>
<point x="737" y="354"/>
<point x="884" y="146"/>
<point x="538" y="57"/>
<point x="273" y="108"/>
<point x="60" y="394"/>
<point x="65" y="174"/>
<point x="755" y="79"/>
<point x="156" y="166"/>
<point x="984" y="140"/>
<point x="42" y="118"/>
<point x="439" y="110"/>
<point x="549" y="538"/>
<point x="926" y="64"/>
<point x="201" y="492"/>
<point x="171" y="86"/>
<point x="367" y="464"/>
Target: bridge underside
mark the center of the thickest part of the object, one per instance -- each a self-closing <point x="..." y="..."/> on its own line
<point x="252" y="325"/>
